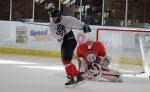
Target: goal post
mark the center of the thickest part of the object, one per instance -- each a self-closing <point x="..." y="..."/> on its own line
<point x="129" y="48"/>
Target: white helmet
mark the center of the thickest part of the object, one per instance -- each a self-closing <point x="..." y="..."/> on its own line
<point x="89" y="41"/>
<point x="89" y="37"/>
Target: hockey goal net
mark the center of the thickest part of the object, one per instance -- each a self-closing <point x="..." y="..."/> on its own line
<point x="128" y="48"/>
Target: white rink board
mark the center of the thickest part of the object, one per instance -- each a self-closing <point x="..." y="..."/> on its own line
<point x="21" y="35"/>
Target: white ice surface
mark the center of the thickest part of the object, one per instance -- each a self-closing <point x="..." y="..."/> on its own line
<point x="34" y="74"/>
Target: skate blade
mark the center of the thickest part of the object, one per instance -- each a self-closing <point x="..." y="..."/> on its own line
<point x="71" y="86"/>
<point x="80" y="83"/>
<point x="120" y="80"/>
<point x="117" y="80"/>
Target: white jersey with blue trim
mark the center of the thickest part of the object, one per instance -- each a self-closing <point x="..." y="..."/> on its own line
<point x="69" y="22"/>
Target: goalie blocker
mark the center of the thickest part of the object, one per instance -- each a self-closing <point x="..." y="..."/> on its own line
<point x="93" y="62"/>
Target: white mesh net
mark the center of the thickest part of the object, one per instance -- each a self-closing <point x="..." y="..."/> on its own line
<point x="129" y="49"/>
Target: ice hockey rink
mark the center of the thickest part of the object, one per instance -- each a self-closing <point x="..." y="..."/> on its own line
<point x="36" y="74"/>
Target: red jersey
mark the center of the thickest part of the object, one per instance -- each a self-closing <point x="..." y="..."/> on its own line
<point x="97" y="49"/>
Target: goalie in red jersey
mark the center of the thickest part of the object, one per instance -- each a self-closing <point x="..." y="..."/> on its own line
<point x="93" y="61"/>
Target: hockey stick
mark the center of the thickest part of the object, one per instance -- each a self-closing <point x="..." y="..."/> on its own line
<point x="21" y="20"/>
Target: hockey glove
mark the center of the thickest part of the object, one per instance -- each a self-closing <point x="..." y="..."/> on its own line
<point x="86" y="28"/>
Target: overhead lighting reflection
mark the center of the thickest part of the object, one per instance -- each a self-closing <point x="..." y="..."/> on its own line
<point x="45" y="67"/>
<point x="59" y="68"/>
<point x="13" y="62"/>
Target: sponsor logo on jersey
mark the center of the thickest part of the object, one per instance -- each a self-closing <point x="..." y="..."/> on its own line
<point x="91" y="56"/>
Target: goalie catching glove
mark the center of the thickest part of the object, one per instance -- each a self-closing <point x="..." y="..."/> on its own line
<point x="86" y="28"/>
<point x="104" y="61"/>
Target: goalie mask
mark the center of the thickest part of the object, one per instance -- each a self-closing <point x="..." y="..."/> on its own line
<point x="89" y="41"/>
<point x="91" y="56"/>
<point x="89" y="44"/>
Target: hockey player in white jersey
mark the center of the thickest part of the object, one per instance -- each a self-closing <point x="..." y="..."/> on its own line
<point x="93" y="62"/>
<point x="61" y="28"/>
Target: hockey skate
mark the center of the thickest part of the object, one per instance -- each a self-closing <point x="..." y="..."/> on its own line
<point x="80" y="80"/>
<point x="71" y="82"/>
<point x="74" y="81"/>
